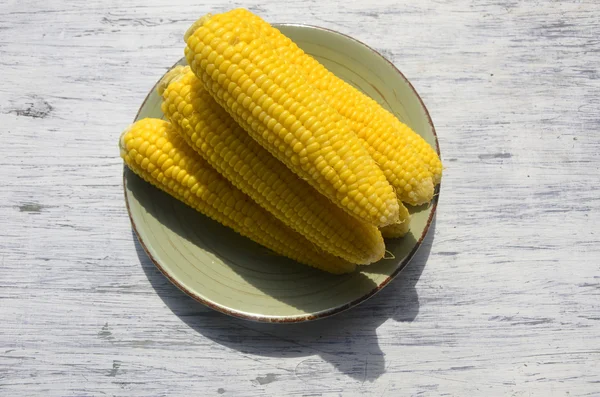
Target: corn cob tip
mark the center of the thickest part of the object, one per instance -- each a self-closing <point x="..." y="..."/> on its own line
<point x="400" y="228"/>
<point x="421" y="193"/>
<point x="122" y="145"/>
<point x="396" y="230"/>
<point x="172" y="75"/>
<point x="195" y="26"/>
<point x="378" y="255"/>
<point x="437" y="177"/>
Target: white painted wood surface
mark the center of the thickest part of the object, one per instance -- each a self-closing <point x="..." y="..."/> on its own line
<point x="503" y="299"/>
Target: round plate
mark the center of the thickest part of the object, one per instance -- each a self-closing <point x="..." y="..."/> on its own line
<point x="233" y="275"/>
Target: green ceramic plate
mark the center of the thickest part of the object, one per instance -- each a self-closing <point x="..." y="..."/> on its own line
<point x="233" y="275"/>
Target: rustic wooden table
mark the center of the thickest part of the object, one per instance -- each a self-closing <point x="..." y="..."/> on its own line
<point x="503" y="298"/>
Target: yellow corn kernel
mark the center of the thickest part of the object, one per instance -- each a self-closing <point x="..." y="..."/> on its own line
<point x="380" y="130"/>
<point x="286" y="115"/>
<point x="191" y="180"/>
<point x="399" y="229"/>
<point x="212" y="133"/>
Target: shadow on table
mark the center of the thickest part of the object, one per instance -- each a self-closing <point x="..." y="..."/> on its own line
<point x="347" y="341"/>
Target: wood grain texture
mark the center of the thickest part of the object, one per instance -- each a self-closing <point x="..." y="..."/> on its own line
<point x="502" y="300"/>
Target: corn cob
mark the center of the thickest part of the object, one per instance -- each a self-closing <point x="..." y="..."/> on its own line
<point x="155" y="151"/>
<point x="287" y="116"/>
<point x="211" y="132"/>
<point x="399" y="229"/>
<point x="385" y="136"/>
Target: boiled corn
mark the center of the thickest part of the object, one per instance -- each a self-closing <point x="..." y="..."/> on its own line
<point x="211" y="132"/>
<point x="155" y="151"/>
<point x="287" y="116"/>
<point x="405" y="157"/>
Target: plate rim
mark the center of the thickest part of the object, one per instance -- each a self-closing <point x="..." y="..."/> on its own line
<point x="324" y="313"/>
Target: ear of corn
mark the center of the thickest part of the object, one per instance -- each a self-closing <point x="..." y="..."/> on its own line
<point x="424" y="150"/>
<point x="399" y="229"/>
<point x="405" y="157"/>
<point x="155" y="151"/>
<point x="288" y="116"/>
<point x="212" y="133"/>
